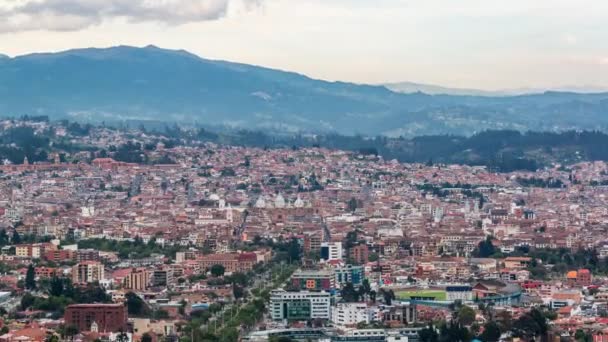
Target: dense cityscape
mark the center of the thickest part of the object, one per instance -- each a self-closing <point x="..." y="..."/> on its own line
<point x="127" y="235"/>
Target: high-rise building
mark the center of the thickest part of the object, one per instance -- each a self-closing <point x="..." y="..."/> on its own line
<point x="331" y="251"/>
<point x="359" y="254"/>
<point x="162" y="277"/>
<point x="87" y="272"/>
<point x="138" y="280"/>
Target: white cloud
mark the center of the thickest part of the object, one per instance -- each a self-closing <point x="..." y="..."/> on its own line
<point x="72" y="15"/>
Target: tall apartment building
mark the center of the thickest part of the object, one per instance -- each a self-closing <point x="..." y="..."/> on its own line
<point x="331" y="251"/>
<point x="302" y="305"/>
<point x="359" y="254"/>
<point x="312" y="242"/>
<point x="138" y="280"/>
<point x="87" y="272"/>
<point x="162" y="277"/>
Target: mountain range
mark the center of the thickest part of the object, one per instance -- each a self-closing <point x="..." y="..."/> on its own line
<point x="411" y="87"/>
<point x="150" y="83"/>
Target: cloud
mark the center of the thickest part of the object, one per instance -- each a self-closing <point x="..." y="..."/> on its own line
<point x="73" y="15"/>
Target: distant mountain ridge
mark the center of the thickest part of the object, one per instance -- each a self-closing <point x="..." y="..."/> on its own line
<point x="412" y="87"/>
<point x="150" y="83"/>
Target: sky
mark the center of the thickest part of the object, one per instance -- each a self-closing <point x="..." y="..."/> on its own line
<point x="483" y="44"/>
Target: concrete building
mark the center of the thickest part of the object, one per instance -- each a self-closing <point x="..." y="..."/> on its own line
<point x="331" y="251"/>
<point x="314" y="280"/>
<point x="302" y="305"/>
<point x="87" y="272"/>
<point x="138" y="280"/>
<point x="350" y="274"/>
<point x="349" y="314"/>
<point x="106" y="317"/>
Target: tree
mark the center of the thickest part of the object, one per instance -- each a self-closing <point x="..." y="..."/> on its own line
<point x="388" y="296"/>
<point x="16" y="238"/>
<point x="70" y="330"/>
<point x="428" y="334"/>
<point x="582" y="336"/>
<point x="237" y="291"/>
<point x="491" y="332"/>
<point x="146" y="338"/>
<point x="372" y="296"/>
<point x="352" y="204"/>
<point x="531" y="324"/>
<point x="27" y="301"/>
<point x="56" y="287"/>
<point x="52" y="338"/>
<point x="217" y="270"/>
<point x="485" y="248"/>
<point x="466" y="315"/>
<point x="122" y="337"/>
<point x="453" y="332"/>
<point x="373" y="257"/>
<point x="294" y="251"/>
<point x="349" y="294"/>
<point x="135" y="305"/>
<point x="30" y="278"/>
<point x="3" y="238"/>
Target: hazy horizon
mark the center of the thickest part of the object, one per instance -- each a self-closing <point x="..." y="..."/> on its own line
<point x="486" y="45"/>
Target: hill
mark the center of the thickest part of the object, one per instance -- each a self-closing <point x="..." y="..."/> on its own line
<point x="129" y="83"/>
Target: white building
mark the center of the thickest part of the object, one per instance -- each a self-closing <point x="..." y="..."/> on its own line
<point x="301" y="305"/>
<point x="345" y="314"/>
<point x="331" y="251"/>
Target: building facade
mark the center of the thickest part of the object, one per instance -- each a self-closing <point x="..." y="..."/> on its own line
<point x="299" y="306"/>
<point x="107" y="317"/>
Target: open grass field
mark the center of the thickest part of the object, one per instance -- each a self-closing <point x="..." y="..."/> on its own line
<point x="437" y="294"/>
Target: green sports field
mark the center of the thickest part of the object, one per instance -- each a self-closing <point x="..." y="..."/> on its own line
<point x="437" y="294"/>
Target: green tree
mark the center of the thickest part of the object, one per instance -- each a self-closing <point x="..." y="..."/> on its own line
<point x="3" y="238"/>
<point x="52" y="338"/>
<point x="30" y="278"/>
<point x="466" y="315"/>
<point x="122" y="337"/>
<point x="135" y="305"/>
<point x="530" y="325"/>
<point x="373" y="257"/>
<point x="56" y="286"/>
<point x="349" y="294"/>
<point x="453" y="332"/>
<point x="485" y="248"/>
<point x="70" y="331"/>
<point x="217" y="270"/>
<point x="16" y="238"/>
<point x="582" y="336"/>
<point x="27" y="301"/>
<point x="428" y="334"/>
<point x="352" y="204"/>
<point x="491" y="332"/>
<point x="146" y="338"/>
